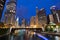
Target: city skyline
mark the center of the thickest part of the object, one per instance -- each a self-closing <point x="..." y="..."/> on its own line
<point x="30" y="20"/>
<point x="26" y="9"/>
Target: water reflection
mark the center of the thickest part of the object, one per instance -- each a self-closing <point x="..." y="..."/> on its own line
<point x="20" y="35"/>
<point x="50" y="37"/>
<point x="28" y="35"/>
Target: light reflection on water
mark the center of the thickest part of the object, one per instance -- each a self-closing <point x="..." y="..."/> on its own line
<point x="29" y="35"/>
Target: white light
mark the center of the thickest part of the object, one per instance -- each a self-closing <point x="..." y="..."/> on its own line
<point x="13" y="11"/>
<point x="17" y="19"/>
<point x="53" y="7"/>
<point x="41" y="9"/>
<point x="57" y="26"/>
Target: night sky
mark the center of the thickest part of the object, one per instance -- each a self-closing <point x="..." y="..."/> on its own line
<point x="27" y="8"/>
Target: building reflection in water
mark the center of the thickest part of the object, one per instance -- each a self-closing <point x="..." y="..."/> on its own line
<point x="20" y="35"/>
<point x="27" y="35"/>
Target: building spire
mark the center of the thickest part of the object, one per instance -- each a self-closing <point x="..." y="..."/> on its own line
<point x="37" y="9"/>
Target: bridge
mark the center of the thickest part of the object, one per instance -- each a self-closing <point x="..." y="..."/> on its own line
<point x="37" y="30"/>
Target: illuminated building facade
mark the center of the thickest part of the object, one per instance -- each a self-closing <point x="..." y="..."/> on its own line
<point x="23" y="22"/>
<point x="10" y="12"/>
<point x="41" y="16"/>
<point x="2" y="3"/>
<point x="51" y="18"/>
<point x="37" y="10"/>
<point x="33" y="21"/>
<point x="17" y="22"/>
<point x="53" y="11"/>
<point x="56" y="14"/>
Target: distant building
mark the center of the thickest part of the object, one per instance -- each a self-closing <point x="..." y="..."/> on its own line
<point x="2" y="3"/>
<point x="23" y="22"/>
<point x="32" y="21"/>
<point x="48" y="20"/>
<point x="10" y="12"/>
<point x="37" y="10"/>
<point x="41" y="16"/>
<point x="51" y="18"/>
<point x="56" y="14"/>
<point x="17" y="22"/>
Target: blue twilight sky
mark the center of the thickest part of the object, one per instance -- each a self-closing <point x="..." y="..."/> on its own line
<point x="27" y="8"/>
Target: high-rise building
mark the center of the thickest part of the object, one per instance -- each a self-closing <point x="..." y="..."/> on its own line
<point x="2" y="3"/>
<point x="17" y="22"/>
<point x="48" y="20"/>
<point x="42" y="18"/>
<point x="33" y="21"/>
<point x="56" y="14"/>
<point x="51" y="18"/>
<point x="10" y="12"/>
<point x="23" y="22"/>
<point x="37" y="10"/>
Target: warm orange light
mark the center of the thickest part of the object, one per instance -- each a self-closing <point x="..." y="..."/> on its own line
<point x="33" y="26"/>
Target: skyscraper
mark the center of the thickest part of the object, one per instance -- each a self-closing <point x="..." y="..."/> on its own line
<point x="17" y="22"/>
<point x="10" y="12"/>
<point x="48" y="20"/>
<point x="33" y="21"/>
<point x="56" y="14"/>
<point x="37" y="10"/>
<point x="42" y="19"/>
<point x="51" y="18"/>
<point x="23" y="22"/>
<point x="2" y="3"/>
